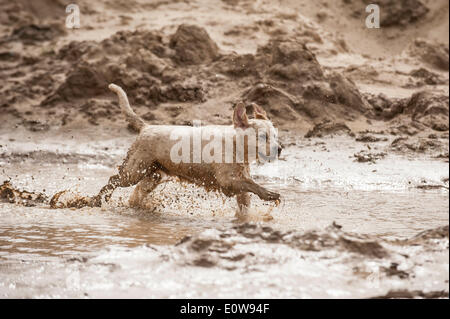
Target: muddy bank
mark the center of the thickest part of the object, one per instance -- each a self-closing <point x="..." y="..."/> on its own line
<point x="155" y="69"/>
<point x="395" y="13"/>
<point x="219" y="248"/>
<point x="178" y="72"/>
<point x="423" y="109"/>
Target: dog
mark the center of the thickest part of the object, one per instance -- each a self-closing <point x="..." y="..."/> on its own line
<point x="151" y="156"/>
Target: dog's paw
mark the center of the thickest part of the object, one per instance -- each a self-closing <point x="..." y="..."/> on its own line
<point x="272" y="196"/>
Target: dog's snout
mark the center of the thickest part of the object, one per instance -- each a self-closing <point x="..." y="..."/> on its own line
<point x="280" y="148"/>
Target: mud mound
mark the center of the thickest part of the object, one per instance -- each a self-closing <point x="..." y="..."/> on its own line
<point x="433" y="54"/>
<point x="384" y="107"/>
<point x="220" y="248"/>
<point x="414" y="294"/>
<point x="292" y="67"/>
<point x="327" y="128"/>
<point x="193" y="45"/>
<point x="367" y="138"/>
<point x="315" y="240"/>
<point x="291" y="81"/>
<point x="290" y="60"/>
<point x="428" y="235"/>
<point x="420" y="145"/>
<point x="154" y="68"/>
<point x="429" y="109"/>
<point x="368" y="157"/>
<point x="425" y="108"/>
<point x="24" y="11"/>
<point x="32" y="33"/>
<point x="239" y="66"/>
<point x="393" y="12"/>
<point x="347" y="93"/>
<point x="83" y="81"/>
<point x="13" y="13"/>
<point x="139" y="61"/>
<point x="34" y="21"/>
<point x="276" y="102"/>
<point x="427" y="77"/>
<point x="400" y="12"/>
<point x="293" y="85"/>
<point x="230" y="248"/>
<point x="44" y="9"/>
<point x="283" y="76"/>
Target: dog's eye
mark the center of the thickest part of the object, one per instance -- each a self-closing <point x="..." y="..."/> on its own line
<point x="263" y="136"/>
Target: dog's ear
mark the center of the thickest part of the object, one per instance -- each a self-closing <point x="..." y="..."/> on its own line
<point x="258" y="112"/>
<point x="240" y="118"/>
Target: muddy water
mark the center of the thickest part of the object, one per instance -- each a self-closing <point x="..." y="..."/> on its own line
<point x="116" y="251"/>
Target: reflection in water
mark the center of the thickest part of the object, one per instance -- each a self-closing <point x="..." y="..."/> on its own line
<point x="68" y="232"/>
<point x="45" y="232"/>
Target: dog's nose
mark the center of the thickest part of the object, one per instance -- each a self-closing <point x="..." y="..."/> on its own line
<point x="280" y="148"/>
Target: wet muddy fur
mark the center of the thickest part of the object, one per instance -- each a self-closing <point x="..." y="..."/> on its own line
<point x="144" y="165"/>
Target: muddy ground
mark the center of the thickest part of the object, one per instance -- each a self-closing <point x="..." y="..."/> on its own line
<point x="363" y="114"/>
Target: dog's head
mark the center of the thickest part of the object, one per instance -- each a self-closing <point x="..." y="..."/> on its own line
<point x="259" y="134"/>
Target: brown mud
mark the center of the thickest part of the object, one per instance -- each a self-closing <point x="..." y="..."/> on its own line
<point x="363" y="114"/>
<point x="172" y="72"/>
<point x="12" y="195"/>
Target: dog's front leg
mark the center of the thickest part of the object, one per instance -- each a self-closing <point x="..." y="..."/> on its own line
<point x="131" y="172"/>
<point x="243" y="201"/>
<point x="250" y="186"/>
<point x="240" y="185"/>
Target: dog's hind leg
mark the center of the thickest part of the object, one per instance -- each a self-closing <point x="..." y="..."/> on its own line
<point x="107" y="190"/>
<point x="143" y="188"/>
<point x="131" y="172"/>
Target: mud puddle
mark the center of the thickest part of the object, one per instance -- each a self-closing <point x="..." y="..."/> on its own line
<point x="343" y="229"/>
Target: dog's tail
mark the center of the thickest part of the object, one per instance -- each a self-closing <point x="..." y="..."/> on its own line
<point x="135" y="121"/>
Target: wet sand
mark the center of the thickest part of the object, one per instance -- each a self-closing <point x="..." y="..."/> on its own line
<point x="363" y="114"/>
